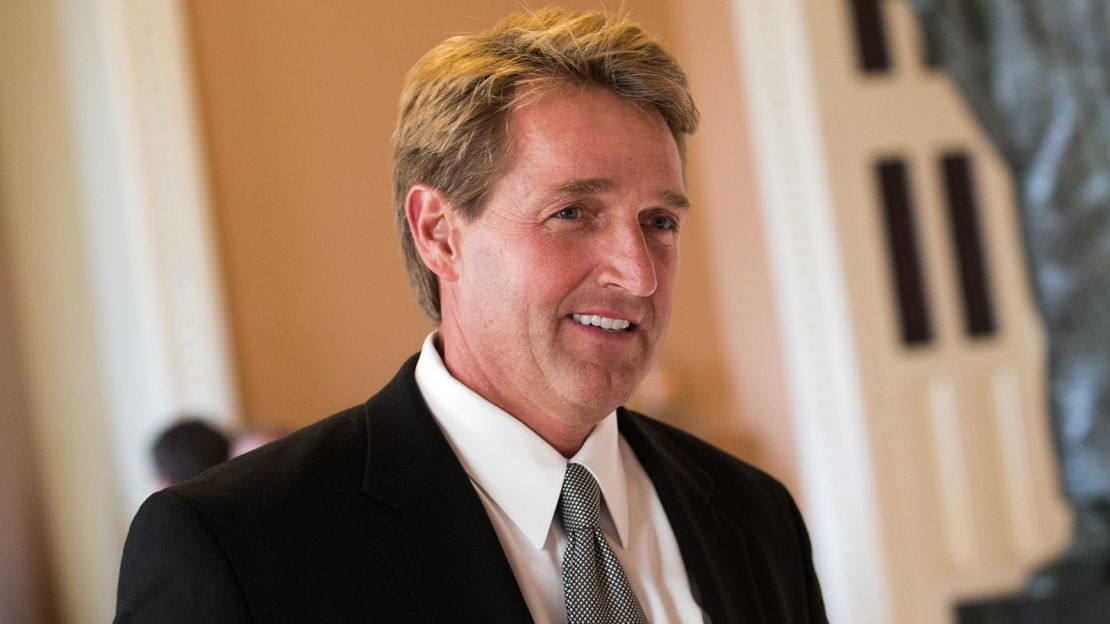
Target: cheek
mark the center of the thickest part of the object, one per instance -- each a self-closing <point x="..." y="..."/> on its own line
<point x="666" y="272"/>
<point x="666" y="263"/>
<point x="521" y="279"/>
<point x="552" y="262"/>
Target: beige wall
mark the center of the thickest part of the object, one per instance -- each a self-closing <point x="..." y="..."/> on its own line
<point x="298" y="103"/>
<point x="25" y="588"/>
<point x="738" y="328"/>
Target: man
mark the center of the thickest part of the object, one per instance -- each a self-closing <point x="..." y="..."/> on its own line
<point x="539" y="186"/>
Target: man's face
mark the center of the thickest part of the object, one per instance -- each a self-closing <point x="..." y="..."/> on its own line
<point x="581" y="229"/>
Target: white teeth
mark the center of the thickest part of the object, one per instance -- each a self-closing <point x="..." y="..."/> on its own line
<point x="613" y="325"/>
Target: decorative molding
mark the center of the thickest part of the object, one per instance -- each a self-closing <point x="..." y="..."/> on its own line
<point x="176" y="195"/>
<point x="950" y="453"/>
<point x="1019" y="472"/>
<point x="829" y="419"/>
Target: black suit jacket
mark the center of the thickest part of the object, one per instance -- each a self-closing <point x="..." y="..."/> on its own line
<point x="368" y="516"/>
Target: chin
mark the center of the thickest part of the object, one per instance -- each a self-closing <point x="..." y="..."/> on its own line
<point x="601" y="398"/>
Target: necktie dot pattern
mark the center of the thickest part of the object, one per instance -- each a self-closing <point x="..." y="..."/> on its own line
<point x="595" y="587"/>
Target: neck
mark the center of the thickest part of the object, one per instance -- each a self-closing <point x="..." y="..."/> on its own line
<point x="566" y="440"/>
<point x="565" y="430"/>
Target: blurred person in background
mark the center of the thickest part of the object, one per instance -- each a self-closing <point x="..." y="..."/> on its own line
<point x="187" y="448"/>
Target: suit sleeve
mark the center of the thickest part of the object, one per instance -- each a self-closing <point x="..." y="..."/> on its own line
<point x="174" y="569"/>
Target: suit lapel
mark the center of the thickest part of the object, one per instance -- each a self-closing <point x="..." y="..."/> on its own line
<point x="443" y="546"/>
<point x="713" y="545"/>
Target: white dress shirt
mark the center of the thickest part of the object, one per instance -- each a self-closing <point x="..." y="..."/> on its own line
<point x="518" y="477"/>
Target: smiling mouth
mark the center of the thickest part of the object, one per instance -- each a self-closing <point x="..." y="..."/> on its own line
<point x="604" y="322"/>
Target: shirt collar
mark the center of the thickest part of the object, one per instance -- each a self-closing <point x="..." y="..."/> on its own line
<point x="514" y="466"/>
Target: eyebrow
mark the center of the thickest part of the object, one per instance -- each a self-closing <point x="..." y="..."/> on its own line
<point x="675" y="200"/>
<point x="590" y="186"/>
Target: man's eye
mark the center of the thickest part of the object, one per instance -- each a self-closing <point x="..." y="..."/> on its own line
<point x="570" y="212"/>
<point x="661" y="222"/>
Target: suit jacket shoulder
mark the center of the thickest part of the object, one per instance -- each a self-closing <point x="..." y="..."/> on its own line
<point x="741" y="535"/>
<point x="364" y="516"/>
<point x="751" y="489"/>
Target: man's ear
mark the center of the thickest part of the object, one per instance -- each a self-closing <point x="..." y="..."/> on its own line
<point x="432" y="220"/>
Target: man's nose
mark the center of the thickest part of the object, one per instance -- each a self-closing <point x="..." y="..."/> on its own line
<point x="628" y="262"/>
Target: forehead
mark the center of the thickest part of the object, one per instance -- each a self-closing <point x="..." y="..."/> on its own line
<point x="583" y="130"/>
<point x="562" y="105"/>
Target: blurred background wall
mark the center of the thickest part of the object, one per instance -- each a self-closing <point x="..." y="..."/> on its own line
<point x="195" y="215"/>
<point x="25" y="587"/>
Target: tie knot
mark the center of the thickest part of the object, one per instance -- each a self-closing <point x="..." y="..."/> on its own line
<point x="581" y="499"/>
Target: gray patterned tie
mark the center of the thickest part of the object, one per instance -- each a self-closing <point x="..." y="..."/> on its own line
<point x="594" y="585"/>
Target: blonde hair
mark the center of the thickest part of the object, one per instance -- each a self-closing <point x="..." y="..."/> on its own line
<point x="451" y="130"/>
